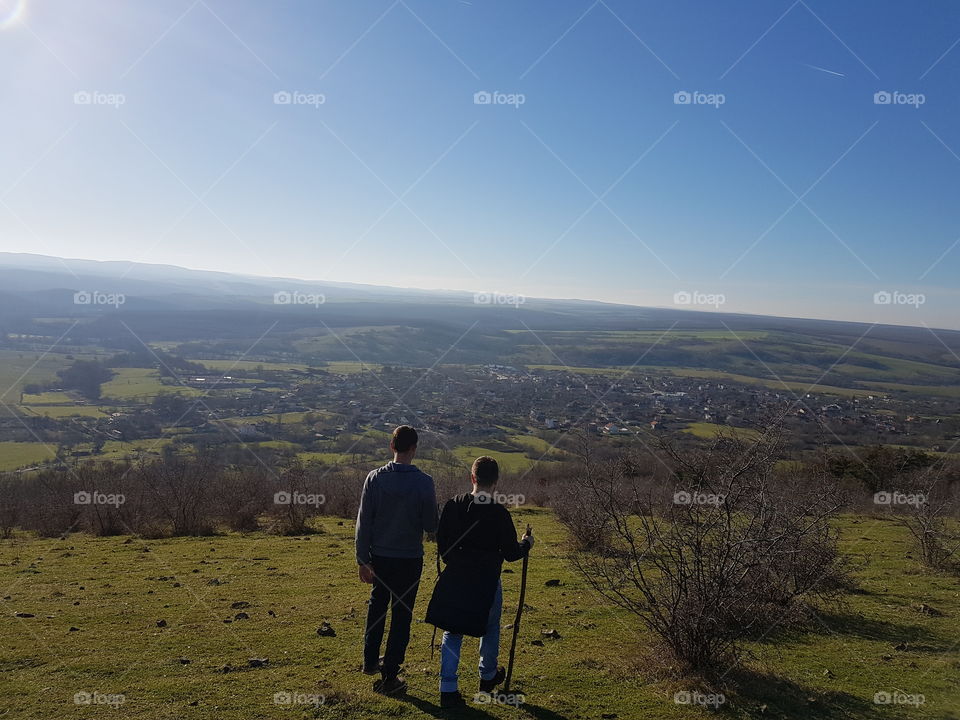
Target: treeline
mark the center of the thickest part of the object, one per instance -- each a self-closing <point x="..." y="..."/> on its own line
<point x="174" y="496"/>
<point x="204" y="494"/>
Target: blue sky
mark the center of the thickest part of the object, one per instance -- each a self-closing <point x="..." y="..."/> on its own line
<point x="599" y="185"/>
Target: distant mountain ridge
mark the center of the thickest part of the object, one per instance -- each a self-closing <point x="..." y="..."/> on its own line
<point x="37" y="285"/>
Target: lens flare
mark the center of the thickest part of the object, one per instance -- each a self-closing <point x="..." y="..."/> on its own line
<point x="10" y="12"/>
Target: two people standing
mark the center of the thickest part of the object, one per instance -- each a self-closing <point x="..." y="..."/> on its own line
<point x="475" y="535"/>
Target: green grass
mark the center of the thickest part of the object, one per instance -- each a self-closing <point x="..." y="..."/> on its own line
<point x="22" y="368"/>
<point x="328" y="458"/>
<point x="287" y="418"/>
<point x="612" y="371"/>
<point x="508" y="461"/>
<point x="793" y="385"/>
<point x="114" y="593"/>
<point x="47" y="398"/>
<point x="350" y="368"/>
<point x="118" y="450"/>
<point x="709" y="431"/>
<point x="140" y="385"/>
<point x="14" y="455"/>
<point x="248" y="365"/>
<point x="950" y="391"/>
<point x="62" y="411"/>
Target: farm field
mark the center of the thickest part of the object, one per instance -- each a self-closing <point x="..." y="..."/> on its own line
<point x="708" y="431"/>
<point x="140" y="385"/>
<point x="15" y="455"/>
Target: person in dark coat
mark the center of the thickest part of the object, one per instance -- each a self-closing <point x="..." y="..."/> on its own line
<point x="474" y="537"/>
<point x="397" y="506"/>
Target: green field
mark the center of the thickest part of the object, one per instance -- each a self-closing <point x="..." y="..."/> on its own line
<point x="58" y="405"/>
<point x="114" y="593"/>
<point x="62" y="411"/>
<point x="328" y="458"/>
<point x="14" y="455"/>
<point x="286" y="418"/>
<point x="508" y="461"/>
<point x="47" y="398"/>
<point x="140" y="385"/>
<point x="21" y="368"/>
<point x="709" y="431"/>
<point x="249" y="365"/>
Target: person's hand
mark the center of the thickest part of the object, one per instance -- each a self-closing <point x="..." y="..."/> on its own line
<point x="366" y="574"/>
<point x="528" y="536"/>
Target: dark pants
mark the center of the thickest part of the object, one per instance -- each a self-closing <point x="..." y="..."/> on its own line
<point x="396" y="583"/>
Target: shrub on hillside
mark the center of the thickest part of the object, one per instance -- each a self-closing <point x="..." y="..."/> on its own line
<point x="731" y="554"/>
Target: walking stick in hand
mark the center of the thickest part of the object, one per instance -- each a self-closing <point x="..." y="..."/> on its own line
<point x="516" y="622"/>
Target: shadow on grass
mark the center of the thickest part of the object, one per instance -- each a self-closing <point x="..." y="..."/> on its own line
<point x="849" y="624"/>
<point x="785" y="698"/>
<point x="472" y="711"/>
<point x="542" y="713"/>
<point x="467" y="712"/>
<point x="871" y="629"/>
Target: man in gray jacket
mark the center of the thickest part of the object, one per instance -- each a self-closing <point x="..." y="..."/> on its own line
<point x="397" y="506"/>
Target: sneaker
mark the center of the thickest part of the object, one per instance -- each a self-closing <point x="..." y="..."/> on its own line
<point x="490" y="685"/>
<point x="452" y="699"/>
<point x="373" y="669"/>
<point x="390" y="686"/>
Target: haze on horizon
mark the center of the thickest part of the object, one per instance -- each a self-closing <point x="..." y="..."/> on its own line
<point x="799" y="159"/>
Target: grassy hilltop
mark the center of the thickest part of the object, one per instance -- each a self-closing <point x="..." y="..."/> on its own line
<point x="898" y="631"/>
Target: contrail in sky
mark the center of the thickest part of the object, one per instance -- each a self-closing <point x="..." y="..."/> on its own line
<point x="830" y="72"/>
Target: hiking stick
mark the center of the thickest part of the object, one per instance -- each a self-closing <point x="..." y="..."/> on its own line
<point x="516" y="622"/>
<point x="433" y="639"/>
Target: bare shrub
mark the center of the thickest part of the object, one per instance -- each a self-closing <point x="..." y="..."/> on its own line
<point x="927" y="515"/>
<point x="181" y="490"/>
<point x="728" y="557"/>
<point x="242" y="496"/>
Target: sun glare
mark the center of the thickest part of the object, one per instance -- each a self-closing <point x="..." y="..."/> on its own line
<point x="10" y="12"/>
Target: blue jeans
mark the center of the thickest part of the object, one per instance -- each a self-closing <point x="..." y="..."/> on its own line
<point x="489" y="648"/>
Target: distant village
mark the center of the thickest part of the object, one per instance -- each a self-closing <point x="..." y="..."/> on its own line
<point x="312" y="408"/>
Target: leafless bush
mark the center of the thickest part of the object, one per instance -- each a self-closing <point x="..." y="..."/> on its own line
<point x="729" y="557"/>
<point x="182" y="489"/>
<point x="242" y="497"/>
<point x="927" y="515"/>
